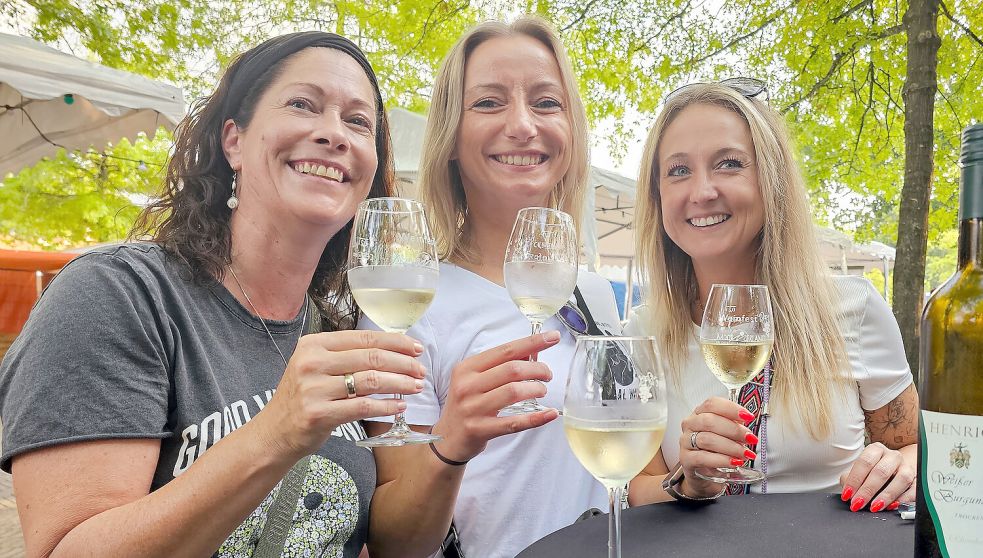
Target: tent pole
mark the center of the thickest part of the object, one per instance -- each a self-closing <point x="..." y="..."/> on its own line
<point x="629" y="287"/>
<point x="884" y="264"/>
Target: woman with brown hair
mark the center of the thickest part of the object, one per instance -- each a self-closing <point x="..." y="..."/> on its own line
<point x="721" y="201"/>
<point x="161" y="390"/>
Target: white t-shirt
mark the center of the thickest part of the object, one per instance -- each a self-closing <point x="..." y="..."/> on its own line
<point x="796" y="461"/>
<point x="523" y="486"/>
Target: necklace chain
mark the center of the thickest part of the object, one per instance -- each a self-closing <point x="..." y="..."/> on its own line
<point x="262" y="321"/>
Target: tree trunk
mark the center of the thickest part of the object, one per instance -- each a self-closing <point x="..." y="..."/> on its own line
<point x="919" y="91"/>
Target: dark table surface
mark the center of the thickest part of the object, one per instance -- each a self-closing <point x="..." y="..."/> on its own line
<point x="751" y="526"/>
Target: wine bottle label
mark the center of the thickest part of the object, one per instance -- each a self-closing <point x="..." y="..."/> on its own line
<point x="951" y="480"/>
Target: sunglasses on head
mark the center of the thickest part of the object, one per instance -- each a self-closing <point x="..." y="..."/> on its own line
<point x="749" y="87"/>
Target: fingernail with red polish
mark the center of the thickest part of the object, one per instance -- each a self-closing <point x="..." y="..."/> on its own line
<point x="750" y="454"/>
<point x="847" y="493"/>
<point x="894" y="505"/>
<point x="746" y="416"/>
<point x="877" y="506"/>
<point x="736" y="462"/>
<point x="751" y="438"/>
<point x="857" y="504"/>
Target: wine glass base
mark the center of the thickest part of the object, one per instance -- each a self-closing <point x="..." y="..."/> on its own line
<point x="523" y="408"/>
<point x="397" y="437"/>
<point x="736" y="475"/>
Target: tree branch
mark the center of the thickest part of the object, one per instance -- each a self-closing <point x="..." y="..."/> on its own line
<point x="959" y="24"/>
<point x="738" y="39"/>
<point x="583" y="14"/>
<point x="855" y="8"/>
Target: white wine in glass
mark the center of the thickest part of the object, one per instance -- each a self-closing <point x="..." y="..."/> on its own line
<point x="393" y="271"/>
<point x="540" y="272"/>
<point x="615" y="429"/>
<point x="736" y="337"/>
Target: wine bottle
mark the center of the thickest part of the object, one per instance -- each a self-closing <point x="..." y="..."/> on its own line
<point x="949" y="516"/>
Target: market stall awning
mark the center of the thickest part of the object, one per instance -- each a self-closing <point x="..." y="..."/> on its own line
<point x="49" y="99"/>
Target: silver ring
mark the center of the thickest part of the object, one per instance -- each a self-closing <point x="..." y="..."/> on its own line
<point x="692" y="441"/>
<point x="350" y="385"/>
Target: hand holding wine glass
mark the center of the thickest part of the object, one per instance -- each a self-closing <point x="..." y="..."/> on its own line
<point x="540" y="272"/>
<point x="615" y="429"/>
<point x="736" y="337"/>
<point x="392" y="270"/>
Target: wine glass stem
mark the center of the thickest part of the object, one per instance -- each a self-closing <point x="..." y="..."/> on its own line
<point x="536" y="328"/>
<point x="733" y="394"/>
<point x="614" y="522"/>
<point x="400" y="422"/>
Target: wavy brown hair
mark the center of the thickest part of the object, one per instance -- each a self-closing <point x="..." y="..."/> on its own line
<point x="190" y="218"/>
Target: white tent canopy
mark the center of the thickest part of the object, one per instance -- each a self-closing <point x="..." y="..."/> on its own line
<point x="49" y="99"/>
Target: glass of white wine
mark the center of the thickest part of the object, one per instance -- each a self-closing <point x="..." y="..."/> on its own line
<point x="614" y="413"/>
<point x="392" y="270"/>
<point x="736" y="337"/>
<point x="540" y="272"/>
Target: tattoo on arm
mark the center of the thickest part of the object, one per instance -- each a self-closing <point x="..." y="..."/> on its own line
<point x="896" y="424"/>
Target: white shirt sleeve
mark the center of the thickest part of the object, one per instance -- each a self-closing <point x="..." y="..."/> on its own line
<point x="875" y="348"/>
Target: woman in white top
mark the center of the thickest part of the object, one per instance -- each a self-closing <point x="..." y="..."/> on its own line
<point x="506" y="130"/>
<point x="725" y="204"/>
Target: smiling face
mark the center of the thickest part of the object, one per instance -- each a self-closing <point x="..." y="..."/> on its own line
<point x="513" y="143"/>
<point x="708" y="181"/>
<point x="308" y="154"/>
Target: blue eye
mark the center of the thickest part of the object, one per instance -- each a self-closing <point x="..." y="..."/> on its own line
<point x="548" y="104"/>
<point x="678" y="170"/>
<point x="732" y="164"/>
<point x="486" y="104"/>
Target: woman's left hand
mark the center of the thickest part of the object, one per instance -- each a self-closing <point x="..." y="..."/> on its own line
<point x="881" y="478"/>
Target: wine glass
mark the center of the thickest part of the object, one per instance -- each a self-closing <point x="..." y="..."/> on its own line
<point x="392" y="270"/>
<point x="736" y="339"/>
<point x="614" y="414"/>
<point x="540" y="272"/>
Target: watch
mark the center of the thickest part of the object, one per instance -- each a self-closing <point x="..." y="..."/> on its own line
<point x="673" y="480"/>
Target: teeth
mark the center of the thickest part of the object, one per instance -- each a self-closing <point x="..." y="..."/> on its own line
<point x="519" y="160"/>
<point x="320" y="170"/>
<point x="707" y="221"/>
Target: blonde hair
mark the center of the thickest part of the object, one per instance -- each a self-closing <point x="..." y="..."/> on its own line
<point x="809" y="355"/>
<point x="441" y="189"/>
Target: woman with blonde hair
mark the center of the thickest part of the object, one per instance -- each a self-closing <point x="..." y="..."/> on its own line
<point x="506" y="130"/>
<point x="721" y="201"/>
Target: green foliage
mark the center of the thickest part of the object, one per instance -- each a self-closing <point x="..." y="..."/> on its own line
<point x="836" y="69"/>
<point x="74" y="199"/>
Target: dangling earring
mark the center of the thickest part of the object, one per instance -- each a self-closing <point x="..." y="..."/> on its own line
<point x="233" y="201"/>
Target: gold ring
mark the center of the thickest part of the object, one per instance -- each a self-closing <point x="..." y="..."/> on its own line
<point x="350" y="385"/>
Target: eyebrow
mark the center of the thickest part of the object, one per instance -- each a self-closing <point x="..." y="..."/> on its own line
<point x="714" y="155"/>
<point x="537" y="86"/>
<point x="357" y="101"/>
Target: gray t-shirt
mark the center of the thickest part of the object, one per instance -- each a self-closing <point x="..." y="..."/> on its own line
<point x="124" y="345"/>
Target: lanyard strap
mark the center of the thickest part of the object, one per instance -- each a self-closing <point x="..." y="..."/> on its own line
<point x="754" y="397"/>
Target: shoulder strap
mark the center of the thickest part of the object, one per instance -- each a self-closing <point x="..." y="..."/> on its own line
<point x="280" y="516"/>
<point x="592" y="328"/>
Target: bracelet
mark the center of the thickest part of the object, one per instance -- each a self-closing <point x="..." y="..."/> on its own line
<point x="674" y="478"/>
<point x="450" y="462"/>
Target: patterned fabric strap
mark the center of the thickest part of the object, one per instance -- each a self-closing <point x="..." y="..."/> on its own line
<point x="754" y="398"/>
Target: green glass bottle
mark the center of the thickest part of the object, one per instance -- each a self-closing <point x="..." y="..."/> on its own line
<point x="949" y="517"/>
